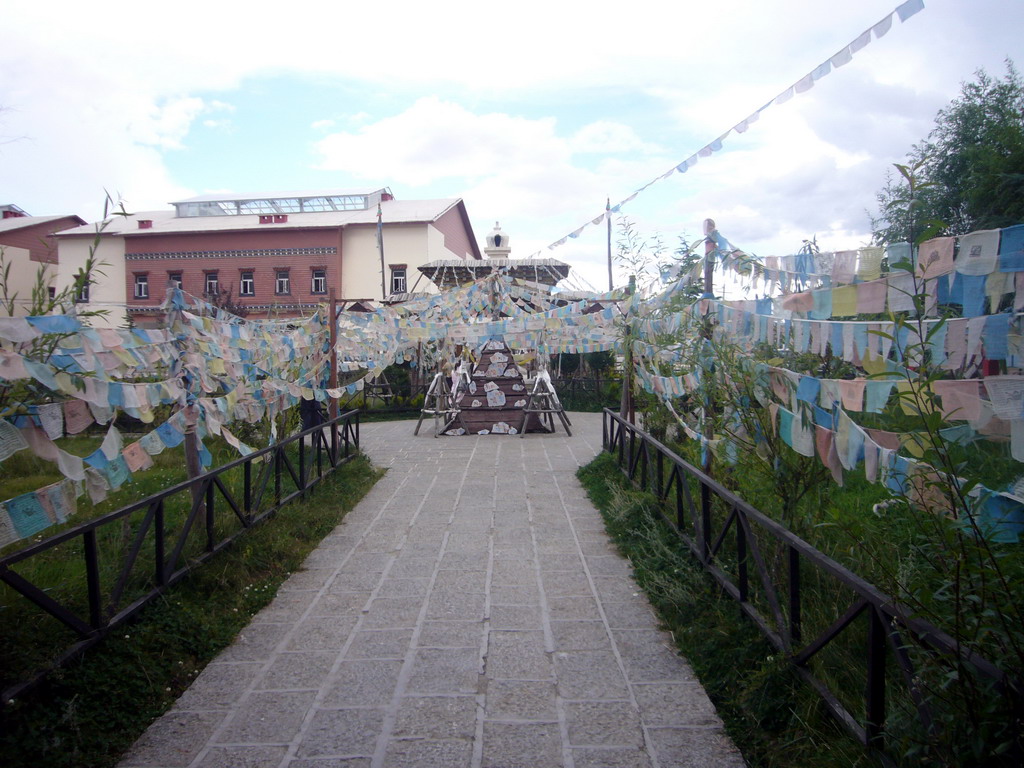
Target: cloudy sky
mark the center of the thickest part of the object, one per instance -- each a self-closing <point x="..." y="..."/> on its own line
<point x="533" y="112"/>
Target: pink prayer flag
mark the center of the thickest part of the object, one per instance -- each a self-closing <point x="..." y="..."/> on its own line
<point x="935" y="257"/>
<point x="41" y="445"/>
<point x="12" y="367"/>
<point x="832" y="461"/>
<point x="852" y="392"/>
<point x="870" y="461"/>
<point x="961" y="399"/>
<point x="136" y="458"/>
<point x="798" y="302"/>
<point x="871" y="297"/>
<point x="76" y="416"/>
<point x="823" y="442"/>
<point x="47" y="505"/>
<point x="890" y="440"/>
<point x="109" y="337"/>
<point x="780" y="385"/>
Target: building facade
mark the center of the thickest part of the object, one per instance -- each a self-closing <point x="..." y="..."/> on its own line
<point x="273" y="255"/>
<point x="27" y="246"/>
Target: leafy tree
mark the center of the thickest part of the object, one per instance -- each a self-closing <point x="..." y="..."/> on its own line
<point x="970" y="169"/>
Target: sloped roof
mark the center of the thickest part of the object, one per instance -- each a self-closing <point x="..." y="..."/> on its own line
<point x="165" y="222"/>
<point x="448" y="273"/>
<point x="21" y="222"/>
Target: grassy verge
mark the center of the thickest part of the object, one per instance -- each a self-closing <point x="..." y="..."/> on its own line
<point x="89" y="713"/>
<point x="770" y="715"/>
<point x="33" y="637"/>
<point x="24" y="472"/>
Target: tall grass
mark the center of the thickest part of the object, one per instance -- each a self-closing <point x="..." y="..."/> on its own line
<point x="771" y="716"/>
<point x="90" y="712"/>
<point x="60" y="571"/>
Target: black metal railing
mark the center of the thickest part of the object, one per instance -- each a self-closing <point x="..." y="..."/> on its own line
<point x="860" y="672"/>
<point x="95" y="576"/>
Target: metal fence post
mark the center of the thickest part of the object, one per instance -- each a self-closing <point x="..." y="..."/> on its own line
<point x="92" y="578"/>
<point x="874" y="725"/>
<point x="795" y="629"/>
<point x="158" y="544"/>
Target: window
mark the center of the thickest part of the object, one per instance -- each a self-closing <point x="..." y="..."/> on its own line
<point x="319" y="281"/>
<point x="142" y="286"/>
<point x="398" y="279"/>
<point x="246" y="284"/>
<point x="51" y="292"/>
<point x="211" y="286"/>
<point x="82" y="292"/>
<point x="174" y="279"/>
<point x="281" y="283"/>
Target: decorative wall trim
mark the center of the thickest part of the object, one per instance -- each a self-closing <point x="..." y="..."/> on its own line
<point x="248" y="253"/>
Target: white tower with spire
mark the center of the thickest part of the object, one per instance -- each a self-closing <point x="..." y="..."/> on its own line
<point x="497" y="244"/>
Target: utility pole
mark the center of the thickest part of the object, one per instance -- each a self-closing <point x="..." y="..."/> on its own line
<point x="608" y="218"/>
<point x="708" y="432"/>
<point x="380" y="248"/>
<point x="627" y="408"/>
<point x="332" y="377"/>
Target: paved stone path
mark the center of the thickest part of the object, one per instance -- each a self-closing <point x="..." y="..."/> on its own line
<point x="469" y="612"/>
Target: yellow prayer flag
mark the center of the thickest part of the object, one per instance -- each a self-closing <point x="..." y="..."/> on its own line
<point x="844" y="301"/>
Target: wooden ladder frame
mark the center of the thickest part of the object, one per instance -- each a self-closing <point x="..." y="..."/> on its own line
<point x="544" y="401"/>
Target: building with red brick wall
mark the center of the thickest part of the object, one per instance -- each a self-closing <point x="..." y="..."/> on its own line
<point x="276" y="255"/>
<point x="27" y="244"/>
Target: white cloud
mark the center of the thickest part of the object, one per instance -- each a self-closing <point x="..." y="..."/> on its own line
<point x="74" y="142"/>
<point x="436" y="139"/>
<point x="99" y="100"/>
<point x="539" y="183"/>
<point x="605" y="136"/>
<point x="166" y="124"/>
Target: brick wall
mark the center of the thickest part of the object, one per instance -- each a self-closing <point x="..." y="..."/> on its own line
<point x="36" y="238"/>
<point x="229" y="254"/>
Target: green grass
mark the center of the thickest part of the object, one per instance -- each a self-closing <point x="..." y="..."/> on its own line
<point x="90" y="712"/>
<point x="774" y="720"/>
<point x="24" y="472"/>
<point x="940" y="573"/>
<point x="60" y="571"/>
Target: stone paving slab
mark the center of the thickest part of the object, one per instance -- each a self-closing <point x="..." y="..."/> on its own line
<point x="469" y="612"/>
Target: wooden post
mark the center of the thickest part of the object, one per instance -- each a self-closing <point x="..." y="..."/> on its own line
<point x="709" y="401"/>
<point x="332" y="378"/>
<point x="709" y="272"/>
<point x="193" y="466"/>
<point x="608" y="217"/>
<point x="380" y="248"/>
<point x="419" y="378"/>
<point x="627" y="409"/>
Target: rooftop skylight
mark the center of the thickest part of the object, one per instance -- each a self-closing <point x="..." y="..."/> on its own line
<point x="269" y="205"/>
